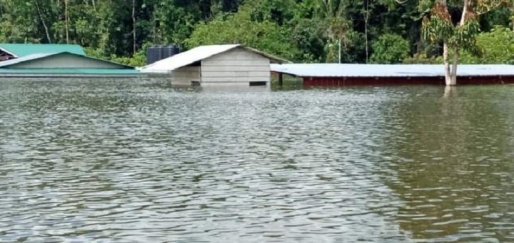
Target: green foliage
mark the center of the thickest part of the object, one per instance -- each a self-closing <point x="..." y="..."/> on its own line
<point x="421" y="58"/>
<point x="138" y="60"/>
<point x="239" y="28"/>
<point x="390" y="48"/>
<point x="278" y="11"/>
<point x="500" y="16"/>
<point x="301" y="30"/>
<point x="461" y="37"/>
<point x="465" y="37"/>
<point x="497" y="47"/>
<point x="437" y="29"/>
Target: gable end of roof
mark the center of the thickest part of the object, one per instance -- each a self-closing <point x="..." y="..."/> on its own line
<point x="201" y="53"/>
<point x="38" y="56"/>
<point x="25" y="49"/>
<point x="8" y="52"/>
<point x="274" y="58"/>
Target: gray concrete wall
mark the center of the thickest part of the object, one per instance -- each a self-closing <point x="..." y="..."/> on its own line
<point x="185" y="75"/>
<point x="235" y="66"/>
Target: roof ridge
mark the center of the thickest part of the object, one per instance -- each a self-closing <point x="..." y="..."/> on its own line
<point x="7" y="43"/>
<point x="24" y="49"/>
<point x="36" y="56"/>
<point x="200" y="53"/>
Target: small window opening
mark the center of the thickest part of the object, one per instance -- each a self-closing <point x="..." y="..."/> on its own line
<point x="257" y="83"/>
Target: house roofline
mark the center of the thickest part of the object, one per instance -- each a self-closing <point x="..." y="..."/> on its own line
<point x="8" y="52"/>
<point x="267" y="55"/>
<point x="60" y="53"/>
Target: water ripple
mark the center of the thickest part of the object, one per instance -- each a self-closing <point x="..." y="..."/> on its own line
<point x="128" y="161"/>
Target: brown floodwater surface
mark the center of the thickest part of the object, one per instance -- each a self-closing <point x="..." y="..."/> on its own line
<point x="138" y="161"/>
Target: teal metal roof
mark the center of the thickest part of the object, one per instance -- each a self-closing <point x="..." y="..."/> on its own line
<point x="77" y="71"/>
<point x="21" y="50"/>
<point x="6" y="64"/>
<point x="33" y="57"/>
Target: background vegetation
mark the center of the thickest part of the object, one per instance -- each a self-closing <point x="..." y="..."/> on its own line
<point x="370" y="31"/>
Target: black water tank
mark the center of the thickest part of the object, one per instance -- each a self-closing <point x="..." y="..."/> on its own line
<point x="159" y="53"/>
<point x="176" y="50"/>
<point x="156" y="53"/>
<point x="167" y="51"/>
<point x="150" y="54"/>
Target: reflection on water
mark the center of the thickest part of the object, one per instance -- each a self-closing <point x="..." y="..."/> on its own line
<point x="454" y="165"/>
<point x="127" y="161"/>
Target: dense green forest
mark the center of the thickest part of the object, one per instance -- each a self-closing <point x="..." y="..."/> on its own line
<point x="369" y="31"/>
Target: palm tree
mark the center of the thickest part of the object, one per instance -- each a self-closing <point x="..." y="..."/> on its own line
<point x="335" y="24"/>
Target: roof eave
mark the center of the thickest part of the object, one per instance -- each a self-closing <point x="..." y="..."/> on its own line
<point x="149" y="68"/>
<point x="278" y="60"/>
<point x="8" y="52"/>
<point x="122" y="66"/>
<point x="102" y="60"/>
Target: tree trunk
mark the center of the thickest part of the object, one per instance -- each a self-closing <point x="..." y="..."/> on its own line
<point x="454" y="66"/>
<point x="366" y="19"/>
<point x="66" y="21"/>
<point x="451" y="72"/>
<point x="366" y="35"/>
<point x="447" y="69"/>
<point x="456" y="50"/>
<point x="134" y="26"/>
<point x="339" y="51"/>
<point x="44" y="23"/>
<point x="464" y="12"/>
<point x="446" y="57"/>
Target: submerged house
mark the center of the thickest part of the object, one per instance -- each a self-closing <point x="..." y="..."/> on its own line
<point x="56" y="60"/>
<point x="232" y="64"/>
<point x="328" y="74"/>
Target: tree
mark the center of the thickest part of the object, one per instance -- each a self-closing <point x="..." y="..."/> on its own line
<point x="239" y="28"/>
<point x="303" y="30"/>
<point x="497" y="47"/>
<point x="456" y="35"/>
<point x="335" y="26"/>
<point x="390" y="48"/>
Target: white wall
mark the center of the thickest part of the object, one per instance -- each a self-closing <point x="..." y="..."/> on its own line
<point x="185" y="75"/>
<point x="66" y="61"/>
<point x="235" y="66"/>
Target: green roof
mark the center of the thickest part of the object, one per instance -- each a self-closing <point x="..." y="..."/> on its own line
<point x="32" y="57"/>
<point x="75" y="71"/>
<point x="22" y="50"/>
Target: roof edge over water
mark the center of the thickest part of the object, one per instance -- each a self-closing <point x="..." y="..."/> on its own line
<point x="389" y="70"/>
<point x="24" y="49"/>
<point x="12" y="62"/>
<point x="198" y="54"/>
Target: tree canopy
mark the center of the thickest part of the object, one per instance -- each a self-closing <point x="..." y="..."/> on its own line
<point x="379" y="31"/>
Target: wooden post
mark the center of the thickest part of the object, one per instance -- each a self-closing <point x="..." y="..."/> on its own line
<point x="280" y="79"/>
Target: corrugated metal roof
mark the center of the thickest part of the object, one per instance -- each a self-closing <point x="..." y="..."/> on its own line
<point x="32" y="57"/>
<point x="21" y="50"/>
<point x="187" y="58"/>
<point x="99" y="71"/>
<point x="195" y="55"/>
<point x="385" y="70"/>
<point x="24" y="59"/>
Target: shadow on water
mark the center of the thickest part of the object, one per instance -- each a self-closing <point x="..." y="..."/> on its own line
<point x="452" y="159"/>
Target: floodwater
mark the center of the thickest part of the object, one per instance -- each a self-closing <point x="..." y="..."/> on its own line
<point x="139" y="161"/>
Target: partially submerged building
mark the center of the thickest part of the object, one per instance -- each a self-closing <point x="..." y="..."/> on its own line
<point x="56" y="60"/>
<point x="393" y="74"/>
<point x="216" y="65"/>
